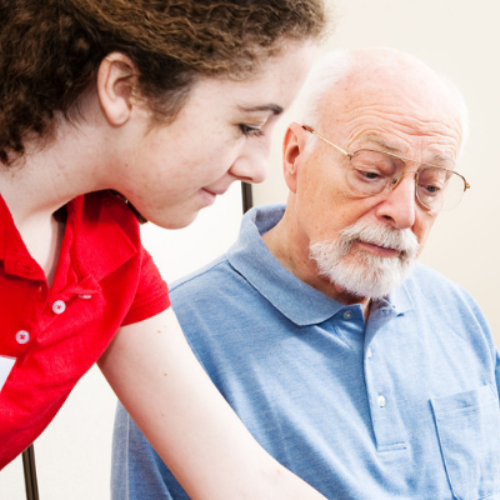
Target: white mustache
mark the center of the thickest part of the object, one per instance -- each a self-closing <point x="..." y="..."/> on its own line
<point x="402" y="240"/>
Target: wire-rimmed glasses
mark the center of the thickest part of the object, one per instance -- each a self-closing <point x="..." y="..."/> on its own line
<point x="372" y="172"/>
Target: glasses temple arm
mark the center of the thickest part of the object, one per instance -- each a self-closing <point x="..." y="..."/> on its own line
<point x="338" y="148"/>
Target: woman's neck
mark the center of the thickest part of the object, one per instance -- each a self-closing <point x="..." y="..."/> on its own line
<point x="45" y="179"/>
<point x="47" y="176"/>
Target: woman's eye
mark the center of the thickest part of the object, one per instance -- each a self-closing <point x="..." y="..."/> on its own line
<point x="249" y="130"/>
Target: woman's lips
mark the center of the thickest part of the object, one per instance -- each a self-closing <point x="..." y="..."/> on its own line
<point x="208" y="196"/>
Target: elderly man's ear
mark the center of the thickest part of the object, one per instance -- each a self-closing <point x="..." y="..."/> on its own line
<point x="293" y="147"/>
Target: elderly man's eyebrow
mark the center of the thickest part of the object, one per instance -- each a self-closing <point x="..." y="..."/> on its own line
<point x="442" y="158"/>
<point x="437" y="157"/>
<point x="383" y="144"/>
<point x="274" y="108"/>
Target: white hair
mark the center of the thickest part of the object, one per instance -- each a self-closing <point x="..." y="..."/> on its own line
<point x="336" y="66"/>
<point x="463" y="111"/>
<point x="323" y="77"/>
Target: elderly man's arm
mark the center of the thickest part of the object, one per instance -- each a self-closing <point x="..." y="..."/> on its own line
<point x="138" y="472"/>
<point x="497" y="371"/>
<point x="157" y="377"/>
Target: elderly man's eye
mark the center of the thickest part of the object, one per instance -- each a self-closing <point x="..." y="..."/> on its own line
<point x="368" y="175"/>
<point x="431" y="190"/>
<point x="371" y="175"/>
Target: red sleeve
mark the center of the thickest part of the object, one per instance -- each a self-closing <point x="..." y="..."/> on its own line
<point x="151" y="297"/>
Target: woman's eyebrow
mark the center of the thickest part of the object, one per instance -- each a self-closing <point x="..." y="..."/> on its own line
<point x="274" y="108"/>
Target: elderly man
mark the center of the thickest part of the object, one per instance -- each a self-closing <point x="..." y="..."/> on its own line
<point x="367" y="376"/>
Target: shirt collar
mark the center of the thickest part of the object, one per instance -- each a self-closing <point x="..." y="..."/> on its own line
<point x="13" y="252"/>
<point x="9" y="239"/>
<point x="94" y="220"/>
<point x="101" y="244"/>
<point x="299" y="302"/>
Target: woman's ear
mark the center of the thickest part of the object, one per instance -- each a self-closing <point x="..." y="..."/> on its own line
<point x="116" y="80"/>
<point x="293" y="146"/>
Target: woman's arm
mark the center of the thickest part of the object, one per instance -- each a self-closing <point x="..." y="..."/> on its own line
<point x="154" y="373"/>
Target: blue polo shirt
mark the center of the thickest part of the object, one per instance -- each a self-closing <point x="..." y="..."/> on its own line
<point x="404" y="406"/>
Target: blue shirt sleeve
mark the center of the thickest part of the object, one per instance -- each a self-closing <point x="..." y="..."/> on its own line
<point x="138" y="473"/>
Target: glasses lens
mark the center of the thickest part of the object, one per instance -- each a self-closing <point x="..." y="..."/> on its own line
<point x="439" y="189"/>
<point x="371" y="171"/>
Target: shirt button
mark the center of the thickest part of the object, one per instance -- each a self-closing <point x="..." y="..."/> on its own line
<point x="369" y="353"/>
<point x="381" y="401"/>
<point x="59" y="306"/>
<point x="348" y="314"/>
<point x="22" y="337"/>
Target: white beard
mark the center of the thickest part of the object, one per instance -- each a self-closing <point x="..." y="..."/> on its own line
<point x="361" y="273"/>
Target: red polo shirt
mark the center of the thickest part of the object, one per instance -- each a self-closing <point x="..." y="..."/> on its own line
<point x="49" y="337"/>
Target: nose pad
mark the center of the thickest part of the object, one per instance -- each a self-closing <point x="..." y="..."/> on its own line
<point x="400" y="204"/>
<point x="395" y="182"/>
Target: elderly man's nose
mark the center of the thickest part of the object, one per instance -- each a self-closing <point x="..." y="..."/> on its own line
<point x="399" y="205"/>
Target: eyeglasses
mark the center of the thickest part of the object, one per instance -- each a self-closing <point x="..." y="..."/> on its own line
<point x="372" y="172"/>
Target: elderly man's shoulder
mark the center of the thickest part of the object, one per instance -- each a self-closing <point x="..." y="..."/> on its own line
<point x="212" y="301"/>
<point x="213" y="281"/>
<point x="425" y="276"/>
<point x="426" y="285"/>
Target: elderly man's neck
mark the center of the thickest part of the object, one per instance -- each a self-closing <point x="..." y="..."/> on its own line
<point x="291" y="248"/>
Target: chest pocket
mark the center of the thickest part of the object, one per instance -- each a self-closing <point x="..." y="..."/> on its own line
<point x="468" y="427"/>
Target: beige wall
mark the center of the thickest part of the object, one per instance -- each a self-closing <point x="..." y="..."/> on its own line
<point x="459" y="38"/>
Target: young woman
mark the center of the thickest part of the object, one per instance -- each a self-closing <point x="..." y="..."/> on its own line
<point x="109" y="110"/>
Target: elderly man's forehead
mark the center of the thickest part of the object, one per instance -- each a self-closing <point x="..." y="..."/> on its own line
<point x="398" y="89"/>
<point x="394" y="77"/>
<point x="384" y="62"/>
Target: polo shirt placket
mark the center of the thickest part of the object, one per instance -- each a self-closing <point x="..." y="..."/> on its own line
<point x="387" y="425"/>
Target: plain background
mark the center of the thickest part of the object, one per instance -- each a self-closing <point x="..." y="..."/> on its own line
<point x="459" y="39"/>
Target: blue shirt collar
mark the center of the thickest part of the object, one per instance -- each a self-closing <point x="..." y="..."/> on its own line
<point x="299" y="302"/>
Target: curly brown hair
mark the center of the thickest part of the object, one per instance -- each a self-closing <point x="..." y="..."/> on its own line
<point x="50" y="51"/>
